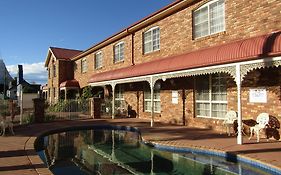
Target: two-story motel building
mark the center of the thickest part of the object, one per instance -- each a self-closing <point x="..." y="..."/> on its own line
<point x="190" y="62"/>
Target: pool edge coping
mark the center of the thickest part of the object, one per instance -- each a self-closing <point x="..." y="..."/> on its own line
<point x="33" y="158"/>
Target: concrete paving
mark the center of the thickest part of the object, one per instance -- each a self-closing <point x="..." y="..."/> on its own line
<point x="17" y="154"/>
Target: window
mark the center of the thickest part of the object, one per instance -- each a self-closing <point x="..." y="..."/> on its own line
<point x="98" y="60"/>
<point x="119" y="97"/>
<point x="54" y="70"/>
<point x="211" y="96"/>
<point x="84" y="65"/>
<point x="209" y="19"/>
<point x="147" y="101"/>
<point x="151" y="40"/>
<point x="49" y="73"/>
<point x="119" y="52"/>
<point x="54" y="89"/>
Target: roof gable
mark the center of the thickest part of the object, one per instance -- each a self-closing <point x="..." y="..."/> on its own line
<point x="61" y="54"/>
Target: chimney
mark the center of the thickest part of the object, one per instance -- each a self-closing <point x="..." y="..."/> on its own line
<point x="20" y="75"/>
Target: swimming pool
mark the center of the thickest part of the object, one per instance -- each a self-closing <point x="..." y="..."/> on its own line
<point x="106" y="150"/>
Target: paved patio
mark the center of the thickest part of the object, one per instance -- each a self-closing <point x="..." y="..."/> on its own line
<point x="17" y="155"/>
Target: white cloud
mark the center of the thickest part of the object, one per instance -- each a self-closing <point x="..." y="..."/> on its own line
<point x="35" y="72"/>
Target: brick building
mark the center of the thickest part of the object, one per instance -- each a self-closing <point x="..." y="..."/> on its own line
<point x="60" y="73"/>
<point x="191" y="62"/>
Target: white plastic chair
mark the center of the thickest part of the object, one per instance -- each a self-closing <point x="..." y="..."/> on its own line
<point x="230" y="117"/>
<point x="262" y="122"/>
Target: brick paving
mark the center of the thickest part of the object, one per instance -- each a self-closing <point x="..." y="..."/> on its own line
<point x="17" y="155"/>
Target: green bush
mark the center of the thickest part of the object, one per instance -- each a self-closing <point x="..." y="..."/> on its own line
<point x="80" y="105"/>
<point x="49" y="118"/>
<point x="4" y="109"/>
<point x="87" y="92"/>
<point x="61" y="106"/>
<point x="28" y="118"/>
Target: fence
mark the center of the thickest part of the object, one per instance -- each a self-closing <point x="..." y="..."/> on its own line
<point x="69" y="110"/>
<point x="120" y="110"/>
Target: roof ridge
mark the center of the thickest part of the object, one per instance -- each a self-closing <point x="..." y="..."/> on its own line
<point x="51" y="47"/>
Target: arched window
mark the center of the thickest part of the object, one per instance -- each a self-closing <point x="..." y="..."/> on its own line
<point x="119" y="52"/>
<point x="209" y="19"/>
<point x="151" y="40"/>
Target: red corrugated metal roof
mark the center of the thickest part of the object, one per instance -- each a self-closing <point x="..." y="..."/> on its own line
<point x="252" y="48"/>
<point x="62" y="53"/>
<point x="70" y="83"/>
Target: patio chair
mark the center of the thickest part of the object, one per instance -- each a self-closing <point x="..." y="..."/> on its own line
<point x="262" y="123"/>
<point x="230" y="117"/>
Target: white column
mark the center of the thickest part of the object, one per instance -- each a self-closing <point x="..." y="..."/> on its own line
<point x="239" y="111"/>
<point x="152" y="102"/>
<point x="113" y="101"/>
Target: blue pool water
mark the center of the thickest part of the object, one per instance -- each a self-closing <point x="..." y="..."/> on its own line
<point x="96" y="151"/>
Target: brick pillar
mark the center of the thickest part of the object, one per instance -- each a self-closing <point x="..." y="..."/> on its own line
<point x="39" y="110"/>
<point x="95" y="107"/>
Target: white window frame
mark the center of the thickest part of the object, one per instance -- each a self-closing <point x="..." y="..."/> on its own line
<point x="207" y="5"/>
<point x="98" y="60"/>
<point x="155" y="42"/>
<point x="210" y="102"/>
<point x="118" y="51"/>
<point x="148" y="99"/>
<point x="84" y="66"/>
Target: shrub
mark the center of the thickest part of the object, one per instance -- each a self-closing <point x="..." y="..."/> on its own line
<point x="28" y="118"/>
<point x="4" y="109"/>
<point x="49" y="118"/>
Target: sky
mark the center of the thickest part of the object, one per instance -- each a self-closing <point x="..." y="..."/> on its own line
<point x="29" y="27"/>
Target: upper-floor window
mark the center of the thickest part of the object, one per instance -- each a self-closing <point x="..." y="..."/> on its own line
<point x="119" y="52"/>
<point x="209" y="19"/>
<point x="49" y="73"/>
<point x="84" y="65"/>
<point x="54" y="70"/>
<point x="151" y="40"/>
<point x="98" y="60"/>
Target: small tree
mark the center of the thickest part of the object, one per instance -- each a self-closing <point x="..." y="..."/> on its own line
<point x="87" y="92"/>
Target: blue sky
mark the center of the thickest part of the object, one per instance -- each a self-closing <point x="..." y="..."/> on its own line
<point x="29" y="27"/>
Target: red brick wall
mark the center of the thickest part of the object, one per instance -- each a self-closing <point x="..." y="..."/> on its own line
<point x="176" y="34"/>
<point x="268" y="79"/>
<point x="53" y="82"/>
<point x="241" y="22"/>
<point x="108" y="64"/>
<point x="171" y="113"/>
<point x="65" y="71"/>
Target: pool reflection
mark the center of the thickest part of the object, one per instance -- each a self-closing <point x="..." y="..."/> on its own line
<point x="120" y="152"/>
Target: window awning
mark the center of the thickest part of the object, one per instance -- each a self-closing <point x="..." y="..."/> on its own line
<point x="70" y="84"/>
<point x="243" y="50"/>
